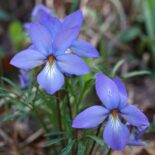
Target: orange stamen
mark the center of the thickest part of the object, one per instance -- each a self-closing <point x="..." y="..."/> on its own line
<point x="114" y="112"/>
<point x="51" y="59"/>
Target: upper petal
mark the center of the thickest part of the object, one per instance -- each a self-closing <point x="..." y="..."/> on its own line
<point x="116" y="134"/>
<point x="64" y="39"/>
<point x="134" y="116"/>
<point x="90" y="118"/>
<point x="28" y="59"/>
<point x="72" y="20"/>
<point x="122" y="91"/>
<point x="107" y="91"/>
<point x="50" y="78"/>
<point x="41" y="38"/>
<point x="53" y="24"/>
<point x="72" y="64"/>
<point x="84" y="49"/>
<point x="38" y="10"/>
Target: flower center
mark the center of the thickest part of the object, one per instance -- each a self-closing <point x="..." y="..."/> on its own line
<point x="114" y="112"/>
<point x="51" y="59"/>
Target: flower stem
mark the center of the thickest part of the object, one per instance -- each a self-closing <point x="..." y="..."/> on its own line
<point x="69" y="107"/>
<point x="37" y="115"/>
<point x="58" y="111"/>
<point x="41" y="122"/>
<point x="109" y="152"/>
<point x="94" y="143"/>
<point x="68" y="100"/>
<point x="1" y="72"/>
<point x="59" y="115"/>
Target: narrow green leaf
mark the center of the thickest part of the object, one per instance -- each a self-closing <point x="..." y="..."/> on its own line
<point x="7" y="117"/>
<point x="130" y="34"/>
<point x="68" y="148"/>
<point x="54" y="141"/>
<point x="4" y="89"/>
<point x="136" y="73"/>
<point x="87" y="85"/>
<point x="97" y="140"/>
<point x="54" y="132"/>
<point x="149" y="19"/>
<point x="74" y="5"/>
<point x="3" y="95"/>
<point x="116" y="67"/>
<point x="9" y="82"/>
<point x="81" y="149"/>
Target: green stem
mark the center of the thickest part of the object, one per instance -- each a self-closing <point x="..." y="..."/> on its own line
<point x="41" y="122"/>
<point x="109" y="152"/>
<point x="1" y="72"/>
<point x="68" y="99"/>
<point x="69" y="107"/>
<point x="34" y="108"/>
<point x="58" y="111"/>
<point x="80" y="97"/>
<point x="59" y="116"/>
<point x="94" y="143"/>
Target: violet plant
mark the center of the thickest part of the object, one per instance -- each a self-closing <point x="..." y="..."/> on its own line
<point x="58" y="97"/>
<point x="114" y="97"/>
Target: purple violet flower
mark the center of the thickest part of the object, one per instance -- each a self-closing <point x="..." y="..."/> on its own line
<point x="24" y="78"/>
<point x="54" y="25"/>
<point x="115" y="107"/>
<point x="52" y="41"/>
<point x="52" y="52"/>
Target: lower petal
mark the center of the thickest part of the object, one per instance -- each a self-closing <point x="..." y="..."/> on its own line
<point x="90" y="118"/>
<point x="133" y="141"/>
<point x="50" y="78"/>
<point x="116" y="134"/>
<point x="134" y="116"/>
<point x="136" y="143"/>
<point x="72" y="64"/>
